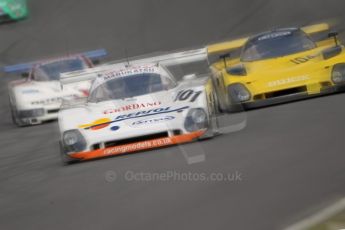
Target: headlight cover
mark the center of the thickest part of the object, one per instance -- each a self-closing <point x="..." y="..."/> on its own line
<point x="196" y="120"/>
<point x="73" y="141"/>
<point x="238" y="93"/>
<point x="338" y="73"/>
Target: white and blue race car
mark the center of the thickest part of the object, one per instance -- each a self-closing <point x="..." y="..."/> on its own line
<point x="136" y="106"/>
<point x="38" y="96"/>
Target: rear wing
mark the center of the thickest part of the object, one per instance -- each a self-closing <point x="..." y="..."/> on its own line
<point x="226" y="46"/>
<point x="319" y="32"/>
<point x="316" y="28"/>
<point x="174" y="58"/>
<point x="26" y="67"/>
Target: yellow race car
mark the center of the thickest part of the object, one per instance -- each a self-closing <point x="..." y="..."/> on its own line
<point x="277" y="66"/>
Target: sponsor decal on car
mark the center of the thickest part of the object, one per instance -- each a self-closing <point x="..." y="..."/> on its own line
<point x="301" y="60"/>
<point x="274" y="35"/>
<point x="150" y="112"/>
<point x="188" y="95"/>
<point x="153" y="121"/>
<point x="287" y="81"/>
<point x="49" y="101"/>
<point x="115" y="128"/>
<point x="134" y="106"/>
<point x="138" y="146"/>
<point x="30" y="91"/>
<point x="97" y="124"/>
<point x="129" y="72"/>
<point x="105" y="122"/>
<point x="104" y="77"/>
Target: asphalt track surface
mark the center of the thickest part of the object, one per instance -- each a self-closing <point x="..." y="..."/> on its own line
<point x="290" y="157"/>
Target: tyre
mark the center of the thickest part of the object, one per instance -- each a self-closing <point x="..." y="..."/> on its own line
<point x="14" y="116"/>
<point x="213" y="129"/>
<point x="217" y="108"/>
<point x="65" y="158"/>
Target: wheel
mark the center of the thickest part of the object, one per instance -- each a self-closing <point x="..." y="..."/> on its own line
<point x="213" y="129"/>
<point x="217" y="108"/>
<point x="214" y="117"/>
<point x="65" y="158"/>
<point x="14" y="116"/>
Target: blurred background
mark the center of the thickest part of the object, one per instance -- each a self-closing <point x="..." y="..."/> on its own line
<point x="291" y="157"/>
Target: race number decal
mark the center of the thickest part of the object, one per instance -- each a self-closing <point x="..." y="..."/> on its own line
<point x="301" y="60"/>
<point x="186" y="95"/>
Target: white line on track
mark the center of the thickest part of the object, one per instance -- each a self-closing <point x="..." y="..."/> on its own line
<point x="319" y="217"/>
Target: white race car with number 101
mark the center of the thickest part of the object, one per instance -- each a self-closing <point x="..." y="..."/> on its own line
<point x="136" y="107"/>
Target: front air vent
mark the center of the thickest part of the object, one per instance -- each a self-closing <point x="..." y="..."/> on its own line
<point x="52" y="111"/>
<point x="286" y="92"/>
<point x="136" y="139"/>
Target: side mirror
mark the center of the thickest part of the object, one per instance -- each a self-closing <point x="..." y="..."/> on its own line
<point x="331" y="52"/>
<point x="333" y="34"/>
<point x="189" y="77"/>
<point x="238" y="70"/>
<point x="224" y="57"/>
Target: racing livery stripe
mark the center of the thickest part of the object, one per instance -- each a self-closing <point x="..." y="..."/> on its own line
<point x="138" y="146"/>
<point x="126" y="117"/>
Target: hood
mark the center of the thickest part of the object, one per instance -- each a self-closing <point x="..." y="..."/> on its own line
<point x="133" y="116"/>
<point x="169" y="98"/>
<point x="111" y="110"/>
<point x="290" y="62"/>
<point x="290" y="71"/>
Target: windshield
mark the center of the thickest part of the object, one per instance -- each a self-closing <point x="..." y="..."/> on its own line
<point x="130" y="86"/>
<point x="52" y="71"/>
<point x="276" y="44"/>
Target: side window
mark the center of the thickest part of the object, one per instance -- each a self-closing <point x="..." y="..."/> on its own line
<point x="37" y="75"/>
<point x="32" y="74"/>
<point x="168" y="83"/>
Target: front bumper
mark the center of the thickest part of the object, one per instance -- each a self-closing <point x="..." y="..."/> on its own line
<point x="50" y="114"/>
<point x="286" y="98"/>
<point x="137" y="146"/>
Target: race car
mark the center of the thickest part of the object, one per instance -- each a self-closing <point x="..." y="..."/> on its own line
<point x="13" y="10"/>
<point x="136" y="106"/>
<point x="37" y="98"/>
<point x="277" y="66"/>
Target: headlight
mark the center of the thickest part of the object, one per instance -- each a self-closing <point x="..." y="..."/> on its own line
<point x="70" y="138"/>
<point x="73" y="141"/>
<point x="338" y="73"/>
<point x="196" y="120"/>
<point x="31" y="113"/>
<point x="238" y="93"/>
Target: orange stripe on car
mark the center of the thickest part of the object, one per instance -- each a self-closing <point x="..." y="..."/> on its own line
<point x="138" y="146"/>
